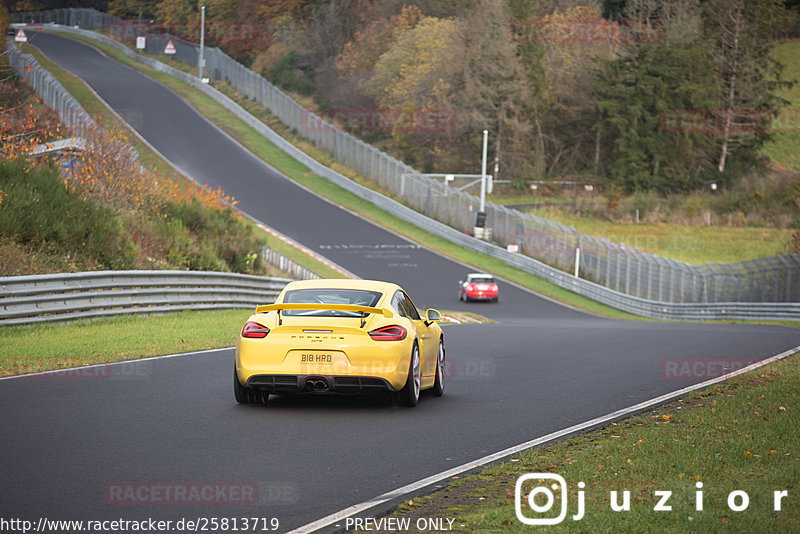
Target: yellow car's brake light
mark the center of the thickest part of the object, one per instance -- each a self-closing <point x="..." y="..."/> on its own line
<point x="254" y="330"/>
<point x="389" y="333"/>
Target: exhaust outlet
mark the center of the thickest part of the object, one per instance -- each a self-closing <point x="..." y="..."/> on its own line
<point x="316" y="385"/>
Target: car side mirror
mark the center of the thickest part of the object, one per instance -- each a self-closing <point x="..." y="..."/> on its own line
<point x="432" y="315"/>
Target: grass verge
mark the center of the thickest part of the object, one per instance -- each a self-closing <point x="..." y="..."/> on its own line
<point x="784" y="147"/>
<point x="690" y="244"/>
<point x="29" y="349"/>
<point x="44" y="347"/>
<point x="739" y="435"/>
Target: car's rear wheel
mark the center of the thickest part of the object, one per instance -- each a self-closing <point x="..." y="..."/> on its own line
<point x="438" y="385"/>
<point x="409" y="395"/>
<point x="243" y="395"/>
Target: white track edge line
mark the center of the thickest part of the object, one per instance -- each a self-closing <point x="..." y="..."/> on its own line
<point x="135" y="360"/>
<point x="415" y="486"/>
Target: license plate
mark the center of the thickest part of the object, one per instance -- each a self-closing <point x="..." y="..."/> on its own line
<point x="316" y="358"/>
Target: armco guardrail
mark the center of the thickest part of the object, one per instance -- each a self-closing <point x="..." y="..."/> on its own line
<point x="59" y="297"/>
<point x="647" y="307"/>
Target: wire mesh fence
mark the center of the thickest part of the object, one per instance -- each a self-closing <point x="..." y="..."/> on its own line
<point x="70" y="113"/>
<point x="613" y="265"/>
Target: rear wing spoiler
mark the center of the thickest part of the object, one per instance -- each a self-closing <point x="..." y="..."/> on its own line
<point x="386" y="312"/>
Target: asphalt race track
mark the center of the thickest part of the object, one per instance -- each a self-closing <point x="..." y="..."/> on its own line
<point x="71" y="441"/>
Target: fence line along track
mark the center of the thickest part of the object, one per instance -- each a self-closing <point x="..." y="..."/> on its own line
<point x="611" y="273"/>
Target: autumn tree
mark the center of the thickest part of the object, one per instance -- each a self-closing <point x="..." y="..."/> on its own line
<point x="743" y="32"/>
<point x="413" y="70"/>
<point x="272" y="11"/>
<point x="413" y="80"/>
<point x="5" y="20"/>
<point x="681" y="22"/>
<point x="373" y="40"/>
<point x="220" y="9"/>
<point x="495" y="95"/>
<point x="174" y="12"/>
<point x="133" y="9"/>
<point x="572" y="41"/>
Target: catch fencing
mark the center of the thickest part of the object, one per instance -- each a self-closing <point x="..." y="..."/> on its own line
<point x="61" y="297"/>
<point x="619" y="268"/>
<point x="54" y="95"/>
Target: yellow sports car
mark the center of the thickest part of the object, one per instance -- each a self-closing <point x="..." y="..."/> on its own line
<point x="343" y="336"/>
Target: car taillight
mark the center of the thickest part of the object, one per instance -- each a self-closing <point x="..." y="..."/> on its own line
<point x="471" y="287"/>
<point x="254" y="330"/>
<point x="389" y="333"/>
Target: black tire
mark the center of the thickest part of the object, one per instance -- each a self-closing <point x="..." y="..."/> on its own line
<point x="438" y="384"/>
<point x="409" y="395"/>
<point x="243" y="395"/>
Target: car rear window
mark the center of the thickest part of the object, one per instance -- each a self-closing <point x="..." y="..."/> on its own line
<point x="482" y="280"/>
<point x="357" y="297"/>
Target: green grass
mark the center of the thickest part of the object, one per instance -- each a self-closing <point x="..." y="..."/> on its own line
<point x="690" y="244"/>
<point x="27" y="349"/>
<point x="784" y="148"/>
<point x="737" y="435"/>
<point x="43" y="347"/>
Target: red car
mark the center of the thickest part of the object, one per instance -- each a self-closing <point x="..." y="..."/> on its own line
<point x="478" y="286"/>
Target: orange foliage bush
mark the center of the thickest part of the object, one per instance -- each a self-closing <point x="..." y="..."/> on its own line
<point x="22" y="125"/>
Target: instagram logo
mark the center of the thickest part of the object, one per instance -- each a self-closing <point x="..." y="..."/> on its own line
<point x="540" y="491"/>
